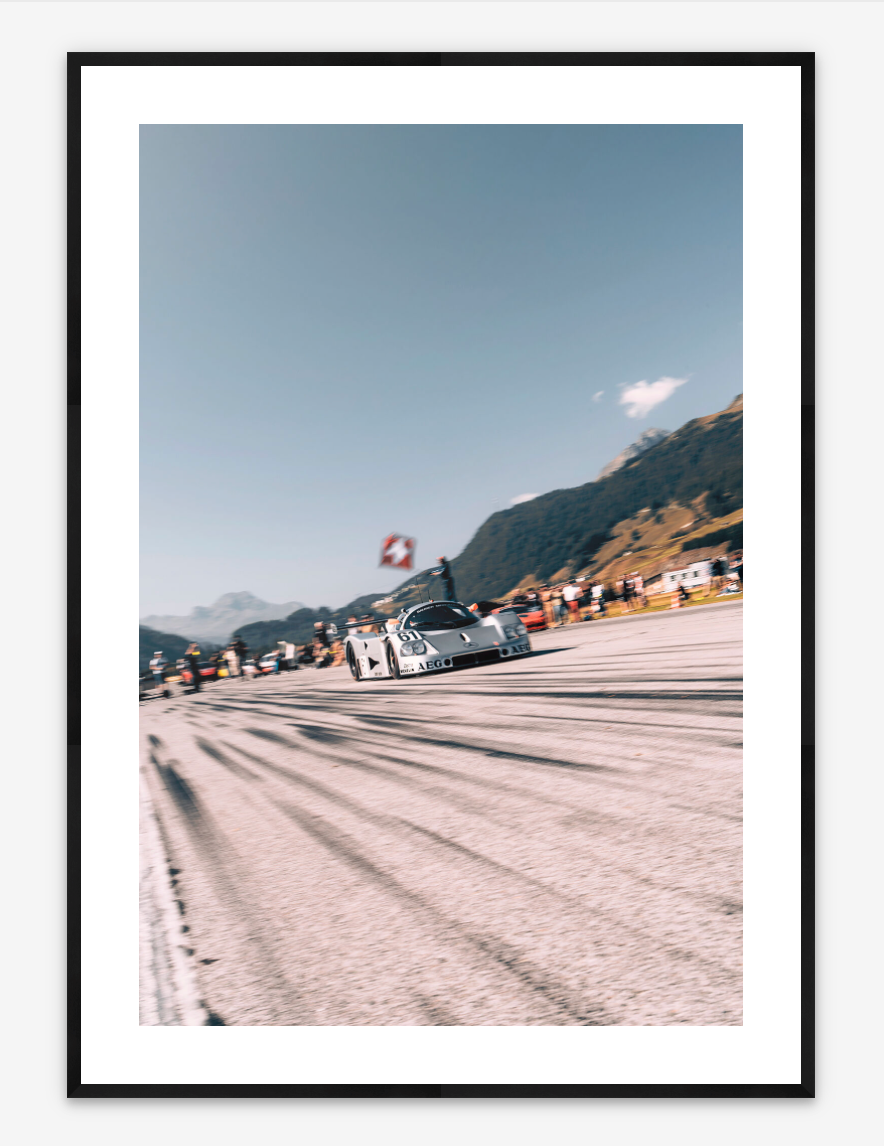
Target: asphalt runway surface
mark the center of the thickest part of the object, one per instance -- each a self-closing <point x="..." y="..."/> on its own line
<point x="551" y="841"/>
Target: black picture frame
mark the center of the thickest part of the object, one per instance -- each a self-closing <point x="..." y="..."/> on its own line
<point x="75" y="62"/>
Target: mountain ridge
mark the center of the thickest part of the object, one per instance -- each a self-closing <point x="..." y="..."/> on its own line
<point x="218" y="621"/>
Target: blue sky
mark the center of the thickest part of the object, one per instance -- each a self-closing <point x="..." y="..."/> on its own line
<point x="348" y="331"/>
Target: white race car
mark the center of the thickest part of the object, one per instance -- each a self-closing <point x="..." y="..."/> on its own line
<point x="434" y="637"/>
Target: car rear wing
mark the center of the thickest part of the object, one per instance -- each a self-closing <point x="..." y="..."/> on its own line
<point x="381" y="622"/>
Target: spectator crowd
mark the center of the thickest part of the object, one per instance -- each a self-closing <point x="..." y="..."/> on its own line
<point x="586" y="599"/>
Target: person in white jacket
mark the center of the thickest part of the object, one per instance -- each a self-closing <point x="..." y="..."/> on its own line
<point x="572" y="594"/>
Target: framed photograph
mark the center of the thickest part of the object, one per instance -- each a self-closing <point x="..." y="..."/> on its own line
<point x="406" y="400"/>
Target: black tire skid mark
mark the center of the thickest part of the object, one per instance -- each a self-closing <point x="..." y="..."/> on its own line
<point x="395" y="824"/>
<point x="207" y="841"/>
<point x="329" y="698"/>
<point x="359" y="810"/>
<point x="389" y="723"/>
<point x="435" y="1012"/>
<point x="222" y="758"/>
<point x="368" y="745"/>
<point x="571" y="819"/>
<point x="450" y="796"/>
<point x="698" y="739"/>
<point x="345" y="850"/>
<point x="636" y="725"/>
<point x="670" y="726"/>
<point x="364" y="741"/>
<point x="458" y="745"/>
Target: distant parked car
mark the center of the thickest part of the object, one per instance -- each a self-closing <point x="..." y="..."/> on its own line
<point x="268" y="663"/>
<point x="530" y="613"/>
<point x="207" y="671"/>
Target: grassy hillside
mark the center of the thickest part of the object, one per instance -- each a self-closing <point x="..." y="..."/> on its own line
<point x="700" y="467"/>
<point x="671" y="538"/>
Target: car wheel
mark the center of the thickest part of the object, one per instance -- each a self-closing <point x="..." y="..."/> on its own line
<point x="352" y="663"/>
<point x="393" y="663"/>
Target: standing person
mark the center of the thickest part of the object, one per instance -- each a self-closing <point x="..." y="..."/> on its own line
<point x="192" y="656"/>
<point x="158" y="665"/>
<point x="571" y="595"/>
<point x="737" y="566"/>
<point x="628" y="593"/>
<point x="447" y="580"/>
<point x="319" y="633"/>
<point x="638" y="585"/>
<point x="232" y="659"/>
<point x="241" y="650"/>
<point x="546" y="598"/>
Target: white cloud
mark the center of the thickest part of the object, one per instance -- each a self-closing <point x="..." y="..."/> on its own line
<point x="641" y="397"/>
<point x="523" y="497"/>
<point x="598" y="397"/>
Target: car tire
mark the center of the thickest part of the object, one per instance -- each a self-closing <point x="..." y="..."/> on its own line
<point x="352" y="663"/>
<point x="393" y="663"/>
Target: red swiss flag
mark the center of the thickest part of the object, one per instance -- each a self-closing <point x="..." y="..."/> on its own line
<point x="398" y="551"/>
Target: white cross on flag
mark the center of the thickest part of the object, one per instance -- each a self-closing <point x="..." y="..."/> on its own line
<point x="398" y="551"/>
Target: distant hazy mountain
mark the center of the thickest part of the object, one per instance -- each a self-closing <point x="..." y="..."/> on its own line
<point x="643" y="442"/>
<point x="218" y="622"/>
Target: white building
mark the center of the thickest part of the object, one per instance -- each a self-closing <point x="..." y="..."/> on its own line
<point x="698" y="573"/>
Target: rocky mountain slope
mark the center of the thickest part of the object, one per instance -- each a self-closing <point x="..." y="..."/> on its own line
<point x="641" y="445"/>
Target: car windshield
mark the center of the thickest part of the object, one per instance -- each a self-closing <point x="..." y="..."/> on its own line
<point x="441" y="616"/>
<point x="526" y="607"/>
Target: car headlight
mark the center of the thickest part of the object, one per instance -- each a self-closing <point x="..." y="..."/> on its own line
<point x="511" y="632"/>
<point x="520" y="629"/>
<point x="412" y="648"/>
